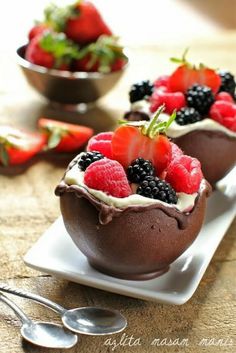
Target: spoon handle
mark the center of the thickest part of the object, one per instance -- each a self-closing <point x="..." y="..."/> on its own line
<point x="24" y="319"/>
<point x="37" y="298"/>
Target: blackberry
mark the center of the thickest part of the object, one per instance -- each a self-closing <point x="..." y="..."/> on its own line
<point x="139" y="169"/>
<point x="134" y="115"/>
<point x="88" y="158"/>
<point x="187" y="115"/>
<point x="140" y="90"/>
<point x="158" y="189"/>
<point x="228" y="83"/>
<point x="200" y="98"/>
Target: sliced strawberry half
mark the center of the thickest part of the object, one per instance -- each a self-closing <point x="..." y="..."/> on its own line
<point x="18" y="146"/>
<point x="143" y="139"/>
<point x="64" y="137"/>
<point x="187" y="75"/>
<point x="184" y="77"/>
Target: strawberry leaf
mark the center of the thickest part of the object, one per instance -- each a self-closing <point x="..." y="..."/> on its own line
<point x="54" y="139"/>
<point x="171" y="119"/>
<point x="181" y="60"/>
<point x="4" y="157"/>
<point x="56" y="17"/>
<point x="105" y="51"/>
<point x="153" y="127"/>
<point x="63" y="49"/>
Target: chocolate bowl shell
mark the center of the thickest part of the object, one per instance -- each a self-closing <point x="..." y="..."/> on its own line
<point x="136" y="243"/>
<point x="215" y="150"/>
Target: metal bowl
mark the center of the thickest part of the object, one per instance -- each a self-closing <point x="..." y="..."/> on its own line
<point x="67" y="87"/>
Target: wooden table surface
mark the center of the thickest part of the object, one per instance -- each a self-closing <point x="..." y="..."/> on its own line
<point x="28" y="207"/>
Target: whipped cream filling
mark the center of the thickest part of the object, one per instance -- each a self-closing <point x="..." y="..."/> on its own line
<point x="75" y="176"/>
<point x="141" y="106"/>
<point x="175" y="130"/>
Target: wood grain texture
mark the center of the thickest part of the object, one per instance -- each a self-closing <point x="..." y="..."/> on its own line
<point x="28" y="206"/>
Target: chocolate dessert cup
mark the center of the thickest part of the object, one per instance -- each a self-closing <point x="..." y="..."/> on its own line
<point x="214" y="149"/>
<point x="134" y="243"/>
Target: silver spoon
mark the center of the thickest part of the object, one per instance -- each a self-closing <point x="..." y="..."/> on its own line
<point x="85" y="320"/>
<point x="44" y="334"/>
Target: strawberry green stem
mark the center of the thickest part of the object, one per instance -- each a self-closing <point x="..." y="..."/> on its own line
<point x="153" y="127"/>
<point x="4" y="157"/>
<point x="152" y="124"/>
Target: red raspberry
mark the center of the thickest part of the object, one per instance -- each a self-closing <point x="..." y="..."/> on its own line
<point x="175" y="151"/>
<point x="101" y="143"/>
<point x="224" y="96"/>
<point x="224" y="113"/>
<point x="109" y="176"/>
<point x="161" y="81"/>
<point x="184" y="174"/>
<point x="171" y="100"/>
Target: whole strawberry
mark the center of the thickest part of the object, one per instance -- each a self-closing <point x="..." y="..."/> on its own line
<point x="104" y="55"/>
<point x="51" y="50"/>
<point x="37" y="29"/>
<point x="81" y="21"/>
<point x="145" y="139"/>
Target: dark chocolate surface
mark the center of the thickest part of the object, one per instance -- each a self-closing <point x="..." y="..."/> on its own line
<point x="215" y="150"/>
<point x="138" y="242"/>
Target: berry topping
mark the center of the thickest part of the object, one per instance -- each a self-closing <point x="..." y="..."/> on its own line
<point x="187" y="116"/>
<point x="88" y="158"/>
<point x="200" y="98"/>
<point x="140" y="91"/>
<point x="184" y="174"/>
<point x="172" y="101"/>
<point x="187" y="74"/>
<point x="143" y="139"/>
<point x="108" y="176"/>
<point x="224" y="96"/>
<point x="228" y="83"/>
<point x="155" y="188"/>
<point x="101" y="143"/>
<point x="161" y="81"/>
<point x="224" y="113"/>
<point x="139" y="169"/>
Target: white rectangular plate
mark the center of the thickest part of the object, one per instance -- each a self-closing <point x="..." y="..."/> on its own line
<point x="56" y="254"/>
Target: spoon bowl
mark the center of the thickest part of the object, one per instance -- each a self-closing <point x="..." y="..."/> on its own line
<point x="94" y="321"/>
<point x="43" y="334"/>
<point x="46" y="334"/>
